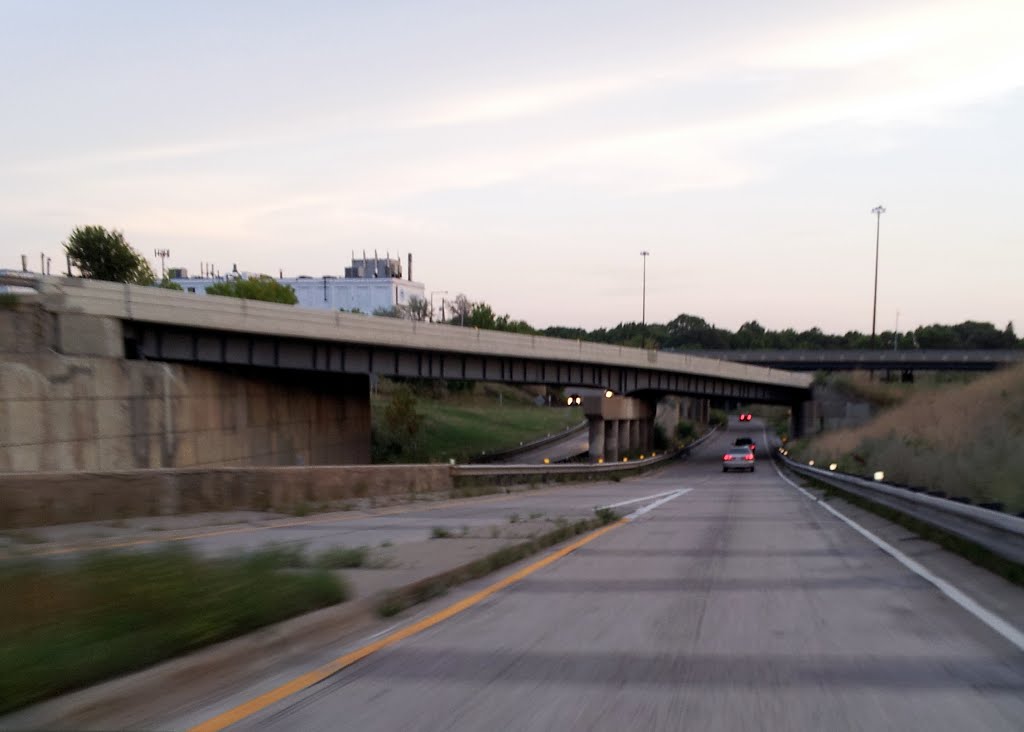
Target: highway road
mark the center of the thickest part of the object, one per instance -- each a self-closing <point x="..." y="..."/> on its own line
<point x="556" y="451"/>
<point x="738" y="604"/>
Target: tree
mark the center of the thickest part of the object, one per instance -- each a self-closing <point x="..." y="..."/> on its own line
<point x="417" y="309"/>
<point x="481" y="316"/>
<point x="168" y="284"/>
<point x="461" y="308"/>
<point x="105" y="255"/>
<point x="400" y="415"/>
<point x="262" y="287"/>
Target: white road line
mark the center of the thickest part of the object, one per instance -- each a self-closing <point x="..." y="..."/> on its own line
<point x="636" y="500"/>
<point x="996" y="623"/>
<point x="651" y="506"/>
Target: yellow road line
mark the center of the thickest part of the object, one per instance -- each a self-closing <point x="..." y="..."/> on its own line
<point x="306" y="680"/>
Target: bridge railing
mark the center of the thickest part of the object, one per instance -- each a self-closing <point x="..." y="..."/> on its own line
<point x="511" y="474"/>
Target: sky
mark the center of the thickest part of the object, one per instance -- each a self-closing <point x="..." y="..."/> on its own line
<point x="526" y="153"/>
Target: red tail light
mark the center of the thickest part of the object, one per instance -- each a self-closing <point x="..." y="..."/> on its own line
<point x="726" y="457"/>
<point x="748" y="457"/>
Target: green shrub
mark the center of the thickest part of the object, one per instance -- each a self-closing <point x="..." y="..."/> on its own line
<point x="686" y="431"/>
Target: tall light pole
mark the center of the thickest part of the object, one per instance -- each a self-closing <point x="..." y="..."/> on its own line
<point x="878" y="211"/>
<point x="643" y="316"/>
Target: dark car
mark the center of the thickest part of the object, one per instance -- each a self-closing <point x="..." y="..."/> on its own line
<point x="745" y="442"/>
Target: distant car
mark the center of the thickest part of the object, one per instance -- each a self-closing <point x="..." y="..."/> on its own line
<point x="746" y="442"/>
<point x="738" y="458"/>
<point x="746" y="417"/>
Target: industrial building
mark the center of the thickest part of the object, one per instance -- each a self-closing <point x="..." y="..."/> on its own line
<point x="369" y="284"/>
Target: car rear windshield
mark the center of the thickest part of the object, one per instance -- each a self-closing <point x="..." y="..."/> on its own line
<point x="744" y="451"/>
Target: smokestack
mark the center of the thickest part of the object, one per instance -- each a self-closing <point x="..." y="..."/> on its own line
<point x="376" y="264"/>
<point x="24" y="263"/>
<point x="410" y="267"/>
<point x="365" y="272"/>
<point x="42" y="263"/>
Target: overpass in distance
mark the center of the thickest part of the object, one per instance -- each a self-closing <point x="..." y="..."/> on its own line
<point x="928" y="359"/>
<point x="228" y="343"/>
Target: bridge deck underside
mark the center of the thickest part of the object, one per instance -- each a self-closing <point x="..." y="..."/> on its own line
<point x="162" y="343"/>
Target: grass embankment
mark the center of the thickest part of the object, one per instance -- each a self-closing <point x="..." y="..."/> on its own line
<point x="464" y="424"/>
<point x="966" y="440"/>
<point x="64" y="625"/>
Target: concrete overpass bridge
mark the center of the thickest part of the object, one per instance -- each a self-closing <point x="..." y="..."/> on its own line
<point x="905" y="362"/>
<point x="337" y="352"/>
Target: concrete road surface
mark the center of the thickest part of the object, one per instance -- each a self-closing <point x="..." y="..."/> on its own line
<point x="739" y="605"/>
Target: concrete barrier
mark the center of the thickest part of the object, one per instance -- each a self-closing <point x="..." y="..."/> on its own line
<point x="41" y="499"/>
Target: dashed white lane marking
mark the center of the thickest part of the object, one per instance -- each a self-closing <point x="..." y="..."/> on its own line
<point x="637" y="500"/>
<point x="651" y="506"/>
<point x="996" y="623"/>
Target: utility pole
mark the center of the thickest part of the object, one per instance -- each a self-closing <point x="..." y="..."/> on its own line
<point x="162" y="254"/>
<point x="878" y="211"/>
<point x="643" y="316"/>
<point x="437" y="292"/>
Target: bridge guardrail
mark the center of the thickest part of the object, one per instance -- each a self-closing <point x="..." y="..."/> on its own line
<point x="488" y="457"/>
<point x="1000" y="533"/>
<point x="557" y="470"/>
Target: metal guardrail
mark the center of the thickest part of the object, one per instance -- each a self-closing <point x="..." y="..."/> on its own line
<point x="999" y="533"/>
<point x="572" y="469"/>
<point x="488" y="457"/>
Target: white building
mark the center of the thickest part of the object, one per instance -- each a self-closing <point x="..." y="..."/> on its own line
<point x="368" y="285"/>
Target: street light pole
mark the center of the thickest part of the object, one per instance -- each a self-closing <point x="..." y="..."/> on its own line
<point x="878" y="211"/>
<point x="643" y="316"/>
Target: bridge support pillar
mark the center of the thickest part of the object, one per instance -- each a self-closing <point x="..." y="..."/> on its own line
<point x="802" y="419"/>
<point x="611" y="441"/>
<point x="646" y="432"/>
<point x="619" y="426"/>
<point x="596" y="439"/>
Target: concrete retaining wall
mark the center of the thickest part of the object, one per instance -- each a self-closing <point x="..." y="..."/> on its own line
<point x="40" y="499"/>
<point x="62" y="409"/>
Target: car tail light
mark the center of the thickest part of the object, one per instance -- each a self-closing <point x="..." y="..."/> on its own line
<point x="749" y="457"/>
<point x="726" y="457"/>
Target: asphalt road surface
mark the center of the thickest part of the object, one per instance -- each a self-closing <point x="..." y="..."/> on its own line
<point x="737" y="605"/>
